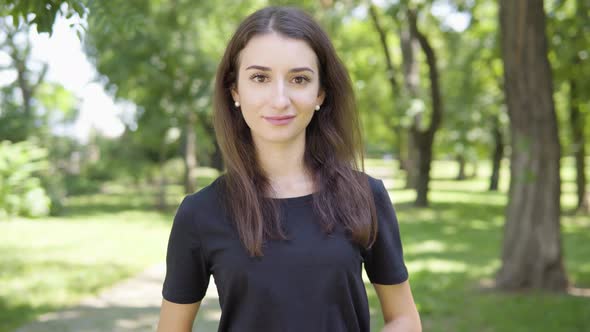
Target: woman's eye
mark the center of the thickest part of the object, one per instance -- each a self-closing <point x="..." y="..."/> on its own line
<point x="301" y="79"/>
<point x="258" y="78"/>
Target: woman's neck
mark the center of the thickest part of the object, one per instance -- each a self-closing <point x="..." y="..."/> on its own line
<point x="285" y="169"/>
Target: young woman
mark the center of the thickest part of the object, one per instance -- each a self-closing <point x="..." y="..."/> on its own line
<point x="286" y="230"/>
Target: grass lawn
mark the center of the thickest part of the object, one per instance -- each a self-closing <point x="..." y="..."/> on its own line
<point x="452" y="250"/>
<point x="50" y="263"/>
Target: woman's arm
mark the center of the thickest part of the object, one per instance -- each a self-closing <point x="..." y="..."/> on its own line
<point x="398" y="307"/>
<point x="176" y="317"/>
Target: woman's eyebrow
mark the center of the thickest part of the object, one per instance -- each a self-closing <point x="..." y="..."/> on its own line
<point x="293" y="70"/>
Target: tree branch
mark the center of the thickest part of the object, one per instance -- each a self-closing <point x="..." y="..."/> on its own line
<point x="437" y="107"/>
<point x="385" y="46"/>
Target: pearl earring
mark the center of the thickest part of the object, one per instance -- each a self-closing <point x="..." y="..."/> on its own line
<point x="237" y="103"/>
<point x="317" y="107"/>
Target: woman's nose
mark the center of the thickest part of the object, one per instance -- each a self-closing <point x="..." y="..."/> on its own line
<point x="280" y="97"/>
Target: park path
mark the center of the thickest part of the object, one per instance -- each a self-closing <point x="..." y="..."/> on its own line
<point x="131" y="305"/>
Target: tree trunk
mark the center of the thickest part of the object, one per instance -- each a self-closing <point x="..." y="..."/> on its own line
<point x="411" y="162"/>
<point x="409" y="48"/>
<point x="190" y="155"/>
<point x="497" y="155"/>
<point x="392" y="81"/>
<point x="402" y="153"/>
<point x="474" y="169"/>
<point x="461" y="162"/>
<point x="425" y="138"/>
<point x="579" y="149"/>
<point x="531" y="253"/>
<point x="161" y="203"/>
<point x="20" y="57"/>
<point x="424" y="161"/>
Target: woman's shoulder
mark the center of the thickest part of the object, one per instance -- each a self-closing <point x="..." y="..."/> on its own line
<point x="206" y="196"/>
<point x="380" y="194"/>
<point x="375" y="183"/>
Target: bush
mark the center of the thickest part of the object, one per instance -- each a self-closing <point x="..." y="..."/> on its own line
<point x="21" y="192"/>
<point x="79" y="184"/>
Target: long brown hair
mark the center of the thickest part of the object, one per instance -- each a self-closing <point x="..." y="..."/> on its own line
<point x="333" y="143"/>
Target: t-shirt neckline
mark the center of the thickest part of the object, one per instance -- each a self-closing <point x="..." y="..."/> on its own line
<point x="295" y="201"/>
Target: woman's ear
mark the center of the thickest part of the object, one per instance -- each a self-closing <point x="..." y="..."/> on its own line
<point x="321" y="97"/>
<point x="234" y="93"/>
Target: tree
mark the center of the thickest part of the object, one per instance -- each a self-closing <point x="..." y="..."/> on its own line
<point x="475" y="123"/>
<point x="424" y="138"/>
<point x="567" y="23"/>
<point x="27" y="81"/>
<point x="168" y="72"/>
<point x="404" y="163"/>
<point x="422" y="129"/>
<point x="531" y="253"/>
<point x="42" y="13"/>
<point x="409" y="49"/>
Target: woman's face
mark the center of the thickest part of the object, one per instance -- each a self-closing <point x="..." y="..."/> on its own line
<point x="278" y="88"/>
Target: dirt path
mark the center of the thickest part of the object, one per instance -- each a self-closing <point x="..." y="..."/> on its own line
<point x="132" y="305"/>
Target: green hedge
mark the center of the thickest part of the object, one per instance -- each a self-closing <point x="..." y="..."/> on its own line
<point x="21" y="190"/>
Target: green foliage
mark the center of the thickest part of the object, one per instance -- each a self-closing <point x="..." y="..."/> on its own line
<point x="41" y="13"/>
<point x="358" y="45"/>
<point x="568" y="31"/>
<point x="59" y="104"/>
<point x="13" y="122"/>
<point x="472" y="85"/>
<point x="21" y="192"/>
<point x="161" y="55"/>
<point x="167" y="73"/>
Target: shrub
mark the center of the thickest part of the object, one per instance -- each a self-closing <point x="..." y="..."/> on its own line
<point x="21" y="191"/>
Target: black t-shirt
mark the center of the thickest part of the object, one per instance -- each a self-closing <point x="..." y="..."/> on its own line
<point x="312" y="282"/>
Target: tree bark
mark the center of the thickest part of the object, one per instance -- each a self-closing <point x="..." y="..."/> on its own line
<point x="394" y="86"/>
<point x="424" y="163"/>
<point x="474" y="169"/>
<point x="461" y="173"/>
<point x="190" y="155"/>
<point x="531" y="252"/>
<point x="579" y="149"/>
<point x="409" y="47"/>
<point x="497" y="155"/>
<point x="425" y="138"/>
<point x="161" y="202"/>
<point x="20" y="56"/>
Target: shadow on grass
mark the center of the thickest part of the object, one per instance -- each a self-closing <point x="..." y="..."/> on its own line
<point x="119" y="198"/>
<point x="113" y="203"/>
<point x="43" y="284"/>
<point x="453" y="301"/>
<point x="12" y="315"/>
<point x="112" y="319"/>
<point x="132" y="305"/>
<point x="450" y="247"/>
<point x="85" y="318"/>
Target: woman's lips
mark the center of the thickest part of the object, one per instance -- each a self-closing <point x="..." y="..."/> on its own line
<point x="279" y="120"/>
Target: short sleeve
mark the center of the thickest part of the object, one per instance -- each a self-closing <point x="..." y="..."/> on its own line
<point x="384" y="261"/>
<point x="187" y="273"/>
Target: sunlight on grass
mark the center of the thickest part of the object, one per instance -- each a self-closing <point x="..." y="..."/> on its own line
<point x="428" y="246"/>
<point x="51" y="263"/>
<point x="451" y="248"/>
<point x="454" y="246"/>
<point x="436" y="265"/>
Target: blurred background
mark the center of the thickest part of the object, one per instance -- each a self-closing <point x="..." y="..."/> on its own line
<point x="475" y="113"/>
